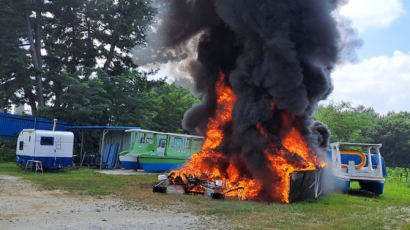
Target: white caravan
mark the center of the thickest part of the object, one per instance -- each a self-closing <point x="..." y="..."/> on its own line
<point x="53" y="148"/>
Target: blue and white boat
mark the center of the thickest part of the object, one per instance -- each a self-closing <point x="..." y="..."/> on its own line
<point x="129" y="161"/>
<point x="354" y="165"/>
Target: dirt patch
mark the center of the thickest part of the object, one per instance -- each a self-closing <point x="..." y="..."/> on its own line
<point x="22" y="206"/>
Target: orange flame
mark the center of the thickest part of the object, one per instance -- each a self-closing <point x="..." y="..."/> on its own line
<point x="211" y="165"/>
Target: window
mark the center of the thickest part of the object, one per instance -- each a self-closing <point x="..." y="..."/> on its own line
<point x="178" y="142"/>
<point x="21" y="145"/>
<point x="144" y="138"/>
<point x="162" y="143"/>
<point x="47" y="141"/>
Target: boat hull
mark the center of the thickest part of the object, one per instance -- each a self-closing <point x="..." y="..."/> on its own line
<point x="129" y="161"/>
<point x="161" y="164"/>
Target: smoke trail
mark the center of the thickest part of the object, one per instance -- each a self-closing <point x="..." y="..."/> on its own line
<point x="275" y="53"/>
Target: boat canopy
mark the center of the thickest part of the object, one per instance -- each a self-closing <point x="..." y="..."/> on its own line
<point x="185" y="135"/>
<point x="162" y="133"/>
<point x="144" y="131"/>
<point x="355" y="144"/>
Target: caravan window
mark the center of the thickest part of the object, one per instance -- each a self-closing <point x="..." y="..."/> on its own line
<point x="21" y="145"/>
<point x="47" y="141"/>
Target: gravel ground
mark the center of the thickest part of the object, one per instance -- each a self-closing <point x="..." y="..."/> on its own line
<point x="22" y="206"/>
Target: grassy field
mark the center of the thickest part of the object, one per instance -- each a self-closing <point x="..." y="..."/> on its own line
<point x="335" y="211"/>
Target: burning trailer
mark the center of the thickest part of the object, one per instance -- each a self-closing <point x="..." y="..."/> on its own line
<point x="260" y="68"/>
<point x="303" y="185"/>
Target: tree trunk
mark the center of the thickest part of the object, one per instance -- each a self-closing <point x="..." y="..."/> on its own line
<point x="111" y="53"/>
<point x="32" y="100"/>
<point x="35" y="48"/>
<point x="37" y="32"/>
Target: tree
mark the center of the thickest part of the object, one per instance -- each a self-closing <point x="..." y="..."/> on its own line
<point x="71" y="59"/>
<point x="73" y="35"/>
<point x="171" y="103"/>
<point x="16" y="62"/>
<point x="347" y="123"/>
<point x="393" y="131"/>
<point x="361" y="124"/>
<point x="105" y="99"/>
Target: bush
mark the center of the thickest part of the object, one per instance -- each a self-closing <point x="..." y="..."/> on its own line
<point x="7" y="151"/>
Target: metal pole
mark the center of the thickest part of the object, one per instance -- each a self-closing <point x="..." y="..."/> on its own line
<point x="54" y="124"/>
<point x="379" y="165"/>
<point x="119" y="150"/>
<point x="81" y="148"/>
<point x="102" y="147"/>
<point x="369" y="158"/>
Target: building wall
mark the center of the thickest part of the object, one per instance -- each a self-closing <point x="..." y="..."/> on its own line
<point x="118" y="137"/>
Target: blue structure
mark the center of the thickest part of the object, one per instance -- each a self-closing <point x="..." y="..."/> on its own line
<point x="110" y="156"/>
<point x="11" y="125"/>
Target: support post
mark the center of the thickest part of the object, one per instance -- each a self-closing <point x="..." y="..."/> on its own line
<point x="102" y="147"/>
<point x="379" y="165"/>
<point x="119" y="151"/>
<point x="81" y="148"/>
<point x="369" y="158"/>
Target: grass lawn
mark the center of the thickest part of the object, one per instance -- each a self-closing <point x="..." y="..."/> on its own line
<point x="335" y="211"/>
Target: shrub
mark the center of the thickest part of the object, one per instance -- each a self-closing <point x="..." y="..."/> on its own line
<point x="7" y="151"/>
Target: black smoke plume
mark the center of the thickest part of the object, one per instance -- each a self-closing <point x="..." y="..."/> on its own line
<point x="279" y="51"/>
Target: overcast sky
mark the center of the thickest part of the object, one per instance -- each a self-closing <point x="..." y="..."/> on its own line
<point x="381" y="76"/>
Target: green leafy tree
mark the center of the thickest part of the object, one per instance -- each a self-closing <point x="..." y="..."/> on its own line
<point x="105" y="99"/>
<point x="171" y="103"/>
<point x="393" y="131"/>
<point x="347" y="123"/>
<point x="45" y="40"/>
<point x="18" y="54"/>
<point x="361" y="124"/>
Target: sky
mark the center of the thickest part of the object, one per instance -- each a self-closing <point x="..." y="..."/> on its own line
<point x="380" y="77"/>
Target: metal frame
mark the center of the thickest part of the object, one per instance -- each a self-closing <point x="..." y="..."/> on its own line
<point x="351" y="173"/>
<point x="104" y="131"/>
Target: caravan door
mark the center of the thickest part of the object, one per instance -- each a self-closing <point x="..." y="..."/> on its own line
<point x="25" y="147"/>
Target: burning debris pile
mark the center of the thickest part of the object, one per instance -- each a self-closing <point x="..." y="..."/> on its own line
<point x="261" y="68"/>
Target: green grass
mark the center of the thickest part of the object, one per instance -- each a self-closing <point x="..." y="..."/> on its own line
<point x="80" y="181"/>
<point x="334" y="211"/>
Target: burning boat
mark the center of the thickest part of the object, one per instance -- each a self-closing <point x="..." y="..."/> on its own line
<point x="209" y="167"/>
<point x="260" y="69"/>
